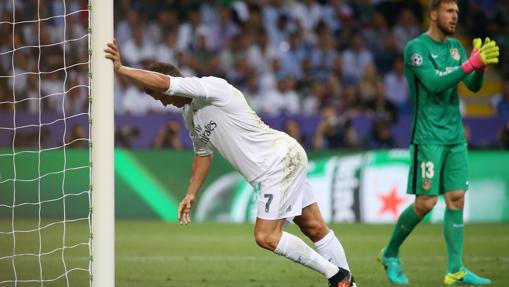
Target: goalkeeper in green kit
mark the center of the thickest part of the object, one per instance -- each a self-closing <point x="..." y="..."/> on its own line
<point x="434" y="65"/>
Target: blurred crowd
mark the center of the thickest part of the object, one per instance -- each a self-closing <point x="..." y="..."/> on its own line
<point x="291" y="57"/>
<point x="337" y="58"/>
<point x="49" y="58"/>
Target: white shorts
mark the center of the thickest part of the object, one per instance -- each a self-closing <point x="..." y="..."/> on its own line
<point x="285" y="190"/>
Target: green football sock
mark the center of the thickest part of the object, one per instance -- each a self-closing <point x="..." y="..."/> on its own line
<point x="406" y="223"/>
<point x="453" y="232"/>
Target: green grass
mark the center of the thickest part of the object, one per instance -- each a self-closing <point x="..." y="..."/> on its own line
<point x="152" y="253"/>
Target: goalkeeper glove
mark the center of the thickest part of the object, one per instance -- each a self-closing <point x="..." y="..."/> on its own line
<point x="476" y="46"/>
<point x="487" y="54"/>
<point x="477" y="43"/>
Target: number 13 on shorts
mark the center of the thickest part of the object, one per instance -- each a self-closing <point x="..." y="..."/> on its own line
<point x="427" y="169"/>
<point x="436" y="169"/>
<point x="424" y="174"/>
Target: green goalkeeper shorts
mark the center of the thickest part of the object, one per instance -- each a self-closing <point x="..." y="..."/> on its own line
<point x="436" y="169"/>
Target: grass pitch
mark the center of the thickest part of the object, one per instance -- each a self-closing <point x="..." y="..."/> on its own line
<point x="152" y="253"/>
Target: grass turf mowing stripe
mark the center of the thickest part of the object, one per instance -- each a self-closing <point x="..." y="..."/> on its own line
<point x="145" y="185"/>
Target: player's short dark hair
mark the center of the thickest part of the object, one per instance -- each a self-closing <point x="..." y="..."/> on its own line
<point x="435" y="4"/>
<point x="164" y="68"/>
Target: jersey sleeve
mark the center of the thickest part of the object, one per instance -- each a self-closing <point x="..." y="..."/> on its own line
<point x="418" y="60"/>
<point x="200" y="148"/>
<point x="214" y="90"/>
<point x="474" y="80"/>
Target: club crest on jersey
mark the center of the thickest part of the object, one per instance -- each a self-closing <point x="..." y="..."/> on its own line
<point x="416" y="60"/>
<point x="426" y="184"/>
<point x="455" y="54"/>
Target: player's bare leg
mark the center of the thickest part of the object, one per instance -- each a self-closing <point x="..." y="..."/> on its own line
<point x="269" y="234"/>
<point x="311" y="223"/>
<point x="454" y="234"/>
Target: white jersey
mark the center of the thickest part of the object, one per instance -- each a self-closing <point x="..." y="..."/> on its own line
<point x="220" y="118"/>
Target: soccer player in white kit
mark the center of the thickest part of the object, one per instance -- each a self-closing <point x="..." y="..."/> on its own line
<point x="218" y="117"/>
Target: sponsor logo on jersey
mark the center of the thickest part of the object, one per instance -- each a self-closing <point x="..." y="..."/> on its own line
<point x="416" y="60"/>
<point x="204" y="133"/>
<point x="455" y="54"/>
<point x="447" y="71"/>
<point x="426" y="184"/>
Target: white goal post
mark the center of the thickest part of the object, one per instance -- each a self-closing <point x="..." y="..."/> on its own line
<point x="57" y="192"/>
<point x="102" y="139"/>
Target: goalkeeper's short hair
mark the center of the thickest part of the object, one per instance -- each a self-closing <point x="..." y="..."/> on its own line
<point x="435" y="4"/>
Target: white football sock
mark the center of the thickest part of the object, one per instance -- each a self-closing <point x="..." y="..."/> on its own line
<point x="331" y="249"/>
<point x="293" y="248"/>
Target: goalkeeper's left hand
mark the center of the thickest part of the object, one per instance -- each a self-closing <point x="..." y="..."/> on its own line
<point x="482" y="56"/>
<point x="476" y="47"/>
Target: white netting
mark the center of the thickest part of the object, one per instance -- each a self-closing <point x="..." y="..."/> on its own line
<point x="45" y="187"/>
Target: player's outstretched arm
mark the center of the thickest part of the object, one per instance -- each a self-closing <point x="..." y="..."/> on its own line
<point x="201" y="166"/>
<point x="146" y="79"/>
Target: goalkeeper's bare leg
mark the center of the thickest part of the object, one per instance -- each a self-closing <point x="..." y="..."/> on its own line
<point x="269" y="234"/>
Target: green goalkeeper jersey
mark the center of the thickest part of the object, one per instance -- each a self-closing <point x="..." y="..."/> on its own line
<point x="433" y="71"/>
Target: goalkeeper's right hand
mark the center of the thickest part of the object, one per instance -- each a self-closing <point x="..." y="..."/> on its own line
<point x="476" y="47"/>
<point x="477" y="44"/>
<point x="487" y="54"/>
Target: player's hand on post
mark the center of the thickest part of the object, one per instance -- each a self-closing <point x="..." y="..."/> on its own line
<point x="487" y="55"/>
<point x="184" y="210"/>
<point x="113" y="53"/>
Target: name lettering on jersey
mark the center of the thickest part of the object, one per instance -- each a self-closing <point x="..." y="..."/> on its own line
<point x="455" y="54"/>
<point x="204" y="133"/>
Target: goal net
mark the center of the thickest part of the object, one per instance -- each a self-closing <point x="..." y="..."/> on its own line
<point x="48" y="220"/>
